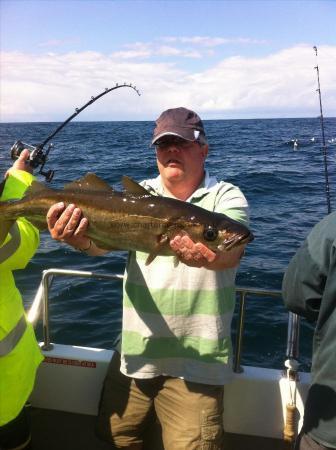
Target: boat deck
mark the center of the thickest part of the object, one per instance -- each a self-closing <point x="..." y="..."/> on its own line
<point x="55" y="430"/>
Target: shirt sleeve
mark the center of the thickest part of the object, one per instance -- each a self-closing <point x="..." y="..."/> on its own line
<point x="232" y="202"/>
<point x="23" y="238"/>
<point x="16" y="184"/>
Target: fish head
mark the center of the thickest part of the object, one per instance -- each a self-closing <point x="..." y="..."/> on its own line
<point x="224" y="233"/>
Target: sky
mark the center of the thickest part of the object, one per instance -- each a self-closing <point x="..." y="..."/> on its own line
<point x="225" y="59"/>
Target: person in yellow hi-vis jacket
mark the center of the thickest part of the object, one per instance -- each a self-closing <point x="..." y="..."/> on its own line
<point x="20" y="354"/>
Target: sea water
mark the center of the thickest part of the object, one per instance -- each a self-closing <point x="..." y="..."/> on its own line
<point x="284" y="185"/>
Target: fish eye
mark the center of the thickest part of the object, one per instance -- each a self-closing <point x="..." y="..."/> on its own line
<point x="210" y="233"/>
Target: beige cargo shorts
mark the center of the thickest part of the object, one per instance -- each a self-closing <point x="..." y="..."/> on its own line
<point x="159" y="413"/>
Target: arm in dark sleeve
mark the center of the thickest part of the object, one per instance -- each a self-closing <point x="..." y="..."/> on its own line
<point x="303" y="284"/>
<point x="311" y="274"/>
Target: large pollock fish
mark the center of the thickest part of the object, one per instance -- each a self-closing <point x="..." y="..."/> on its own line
<point x="130" y="220"/>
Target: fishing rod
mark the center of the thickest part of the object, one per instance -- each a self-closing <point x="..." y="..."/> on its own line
<point x="37" y="157"/>
<point x="324" y="147"/>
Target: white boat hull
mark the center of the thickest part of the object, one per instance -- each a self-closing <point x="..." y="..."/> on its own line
<point x="70" y="380"/>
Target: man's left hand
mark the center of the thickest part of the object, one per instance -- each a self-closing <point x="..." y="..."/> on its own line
<point x="191" y="253"/>
<point x="196" y="254"/>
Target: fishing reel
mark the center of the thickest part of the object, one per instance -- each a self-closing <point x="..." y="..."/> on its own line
<point x="36" y="156"/>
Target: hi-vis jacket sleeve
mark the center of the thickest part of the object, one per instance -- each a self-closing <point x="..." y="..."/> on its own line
<point x="23" y="238"/>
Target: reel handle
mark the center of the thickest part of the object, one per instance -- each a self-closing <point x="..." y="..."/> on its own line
<point x="49" y="174"/>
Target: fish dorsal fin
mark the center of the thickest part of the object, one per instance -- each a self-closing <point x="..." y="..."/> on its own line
<point x="37" y="187"/>
<point x="132" y="187"/>
<point x="90" y="182"/>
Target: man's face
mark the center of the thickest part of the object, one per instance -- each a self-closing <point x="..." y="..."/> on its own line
<point x="180" y="160"/>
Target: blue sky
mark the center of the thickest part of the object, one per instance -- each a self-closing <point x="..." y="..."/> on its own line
<point x="224" y="59"/>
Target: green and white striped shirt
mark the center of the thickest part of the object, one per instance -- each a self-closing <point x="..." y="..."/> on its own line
<point x="177" y="320"/>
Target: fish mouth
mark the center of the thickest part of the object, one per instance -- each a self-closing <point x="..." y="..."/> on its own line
<point x="235" y="242"/>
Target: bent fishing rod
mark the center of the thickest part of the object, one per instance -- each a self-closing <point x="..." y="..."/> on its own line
<point x="37" y="157"/>
<point x="324" y="147"/>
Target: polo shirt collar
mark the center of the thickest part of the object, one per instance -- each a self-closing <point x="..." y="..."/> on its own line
<point x="207" y="185"/>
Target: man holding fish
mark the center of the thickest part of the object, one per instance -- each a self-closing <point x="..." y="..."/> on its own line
<point x="178" y="300"/>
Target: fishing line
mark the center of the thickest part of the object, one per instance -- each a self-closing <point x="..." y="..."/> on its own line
<point x="324" y="147"/>
<point x="37" y="157"/>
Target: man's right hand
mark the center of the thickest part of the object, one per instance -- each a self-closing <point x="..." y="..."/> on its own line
<point x="22" y="163"/>
<point x="67" y="224"/>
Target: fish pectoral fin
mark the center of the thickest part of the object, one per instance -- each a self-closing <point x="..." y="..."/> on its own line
<point x="162" y="241"/>
<point x="5" y="226"/>
<point x="132" y="187"/>
<point x="150" y="258"/>
<point x="90" y="182"/>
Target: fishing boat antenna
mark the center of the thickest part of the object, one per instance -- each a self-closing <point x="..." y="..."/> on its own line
<point x="324" y="147"/>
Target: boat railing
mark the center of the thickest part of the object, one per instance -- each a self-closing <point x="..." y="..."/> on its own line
<point x="41" y="301"/>
<point x="293" y="326"/>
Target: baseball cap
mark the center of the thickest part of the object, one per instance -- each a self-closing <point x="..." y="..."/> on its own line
<point x="181" y="122"/>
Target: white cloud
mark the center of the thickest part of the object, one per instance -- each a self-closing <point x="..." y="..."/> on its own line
<point x="207" y="41"/>
<point x="283" y="81"/>
<point x="282" y="84"/>
<point x="132" y="54"/>
<point x="165" y="50"/>
<point x="184" y="47"/>
<point x="151" y="49"/>
<point x="59" y="42"/>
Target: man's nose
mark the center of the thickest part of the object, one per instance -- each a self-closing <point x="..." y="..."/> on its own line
<point x="174" y="148"/>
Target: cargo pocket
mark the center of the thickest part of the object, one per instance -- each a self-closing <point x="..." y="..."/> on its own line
<point x="211" y="431"/>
